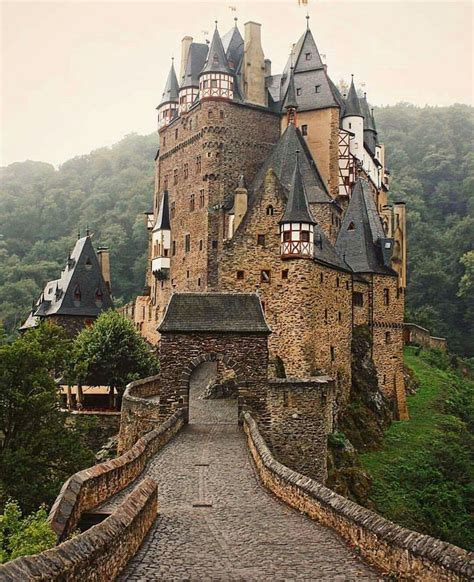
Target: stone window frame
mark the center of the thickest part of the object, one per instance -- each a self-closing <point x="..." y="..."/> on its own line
<point x="386" y="296"/>
<point x="175" y="176"/>
<point x="240" y="276"/>
<point x="198" y="164"/>
<point x="173" y="209"/>
<point x="265" y="276"/>
<point x="304" y="130"/>
<point x="270" y="210"/>
<point x="173" y="247"/>
<point x="202" y="198"/>
<point x="388" y="337"/>
<point x="261" y="240"/>
<point x="187" y="243"/>
<point x="333" y="353"/>
<point x="185" y="171"/>
<point x="358" y="299"/>
<point x="200" y="245"/>
<point x="192" y="202"/>
<point x="284" y="274"/>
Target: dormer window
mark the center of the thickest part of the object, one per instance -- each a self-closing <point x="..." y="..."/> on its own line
<point x="308" y="56"/>
<point x="304" y="130"/>
<point x="299" y="91"/>
<point x="99" y="296"/>
<point x="317" y="89"/>
<point x="351" y="226"/>
<point x="270" y="210"/>
<point x="76" y="296"/>
<point x="88" y="264"/>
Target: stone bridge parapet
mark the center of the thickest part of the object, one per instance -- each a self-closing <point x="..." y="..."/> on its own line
<point x="400" y="552"/>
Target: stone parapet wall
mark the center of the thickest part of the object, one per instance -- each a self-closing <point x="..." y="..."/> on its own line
<point x="100" y="553"/>
<point x="415" y="334"/>
<point x="400" y="552"/>
<point x="140" y="411"/>
<point x="91" y="487"/>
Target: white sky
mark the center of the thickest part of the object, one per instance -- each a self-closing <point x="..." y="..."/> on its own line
<point x="79" y="75"/>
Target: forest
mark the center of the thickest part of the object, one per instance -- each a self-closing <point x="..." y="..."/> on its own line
<point x="429" y="154"/>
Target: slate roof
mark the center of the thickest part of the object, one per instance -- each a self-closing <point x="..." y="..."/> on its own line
<point x="296" y="209"/>
<point x="233" y="44"/>
<point x="282" y="161"/>
<point x="82" y="272"/>
<point x="196" y="59"/>
<point x="361" y="236"/>
<point x="214" y="312"/>
<point x="290" y="97"/>
<point x="216" y="59"/>
<point x="170" y="94"/>
<point x="163" y="219"/>
<point x="352" y="105"/>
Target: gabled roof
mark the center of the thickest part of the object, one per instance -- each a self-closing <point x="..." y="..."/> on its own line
<point x="233" y="44"/>
<point x="83" y="275"/>
<point x="352" y="105"/>
<point x="361" y="235"/>
<point x="306" y="53"/>
<point x="163" y="218"/>
<point x="170" y="94"/>
<point x="216" y="59"/>
<point x="297" y="209"/>
<point x="214" y="312"/>
<point x="196" y="59"/>
<point x="282" y="161"/>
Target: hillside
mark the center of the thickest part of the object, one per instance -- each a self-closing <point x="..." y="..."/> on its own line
<point x="428" y="152"/>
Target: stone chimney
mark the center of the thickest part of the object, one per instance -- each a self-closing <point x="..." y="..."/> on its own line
<point x="103" y="254"/>
<point x="254" y="65"/>
<point x="240" y="202"/>
<point x="268" y="68"/>
<point x="185" y="44"/>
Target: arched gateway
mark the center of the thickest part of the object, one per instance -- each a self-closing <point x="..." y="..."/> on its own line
<point x="221" y="327"/>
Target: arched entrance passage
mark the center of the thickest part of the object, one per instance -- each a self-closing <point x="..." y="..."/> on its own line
<point x="227" y="328"/>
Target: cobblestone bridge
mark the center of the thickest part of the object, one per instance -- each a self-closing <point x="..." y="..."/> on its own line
<point x="215" y="520"/>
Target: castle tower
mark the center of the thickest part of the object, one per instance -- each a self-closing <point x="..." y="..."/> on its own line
<point x="161" y="241"/>
<point x="193" y="58"/>
<point x="169" y="100"/>
<point x="353" y="121"/>
<point x="216" y="79"/>
<point x="297" y="223"/>
<point x="290" y="103"/>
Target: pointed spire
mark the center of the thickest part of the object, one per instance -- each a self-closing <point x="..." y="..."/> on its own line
<point x="170" y="94"/>
<point x="297" y="209"/>
<point x="78" y="233"/>
<point x="216" y="59"/>
<point x="368" y="119"/>
<point x="163" y="219"/>
<point x="87" y="230"/>
<point x="352" y="102"/>
<point x="290" y="98"/>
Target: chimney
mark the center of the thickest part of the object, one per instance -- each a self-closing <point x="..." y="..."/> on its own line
<point x="254" y="65"/>
<point x="240" y="202"/>
<point x="103" y="254"/>
<point x="268" y="68"/>
<point x="185" y="44"/>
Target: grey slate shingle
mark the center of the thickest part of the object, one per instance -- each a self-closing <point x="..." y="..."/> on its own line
<point x="170" y="93"/>
<point x="196" y="59"/>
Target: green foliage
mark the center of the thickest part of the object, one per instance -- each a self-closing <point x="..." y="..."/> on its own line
<point x="336" y="440"/>
<point x="429" y="153"/>
<point x="423" y="474"/>
<point x="37" y="451"/>
<point x="23" y="535"/>
<point x="112" y="353"/>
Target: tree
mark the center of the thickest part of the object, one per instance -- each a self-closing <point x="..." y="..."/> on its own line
<point x="112" y="353"/>
<point x="37" y="451"/>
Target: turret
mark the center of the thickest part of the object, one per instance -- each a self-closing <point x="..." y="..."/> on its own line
<point x="161" y="241"/>
<point x="297" y="223"/>
<point x="353" y="121"/>
<point x="194" y="57"/>
<point x="216" y="79"/>
<point x="169" y="100"/>
<point x="290" y="103"/>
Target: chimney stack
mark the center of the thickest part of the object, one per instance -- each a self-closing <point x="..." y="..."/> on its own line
<point x="254" y="65"/>
<point x="103" y="254"/>
<point x="185" y="44"/>
<point x="268" y="68"/>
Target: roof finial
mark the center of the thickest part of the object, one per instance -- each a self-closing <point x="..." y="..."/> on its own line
<point x="307" y="21"/>
<point x="215" y="22"/>
<point x="235" y="20"/>
<point x="352" y="77"/>
<point x="78" y="233"/>
<point x="87" y="230"/>
<point x="365" y="94"/>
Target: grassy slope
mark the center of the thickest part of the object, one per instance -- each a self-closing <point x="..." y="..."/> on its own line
<point x="404" y="443"/>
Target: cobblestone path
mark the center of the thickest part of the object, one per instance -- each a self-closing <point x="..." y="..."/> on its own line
<point x="216" y="522"/>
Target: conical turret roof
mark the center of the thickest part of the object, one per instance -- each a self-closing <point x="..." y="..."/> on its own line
<point x="352" y="103"/>
<point x="290" y="98"/>
<point x="196" y="59"/>
<point x="170" y="94"/>
<point x="368" y="119"/>
<point x="297" y="209"/>
<point x="233" y="44"/>
<point x="216" y="59"/>
<point x="163" y="218"/>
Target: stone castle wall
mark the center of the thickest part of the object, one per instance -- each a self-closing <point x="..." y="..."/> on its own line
<point x="417" y="335"/>
<point x="401" y="553"/>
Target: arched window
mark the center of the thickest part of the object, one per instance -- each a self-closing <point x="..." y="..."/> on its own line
<point x="270" y="210"/>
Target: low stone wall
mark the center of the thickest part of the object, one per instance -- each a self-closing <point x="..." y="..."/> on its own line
<point x="100" y="553"/>
<point x="91" y="487"/>
<point x="300" y="418"/>
<point x="395" y="550"/>
<point x="140" y="411"/>
<point x="417" y="335"/>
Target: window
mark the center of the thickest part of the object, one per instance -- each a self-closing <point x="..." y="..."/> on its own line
<point x="338" y="282"/>
<point x="164" y="141"/>
<point x="221" y="114"/>
<point x="333" y="353"/>
<point x="285" y="398"/>
<point x="339" y="316"/>
<point x="270" y="210"/>
<point x="317" y="88"/>
<point x="325" y="316"/>
<point x="173" y="209"/>
<point x="185" y="171"/>
<point x="304" y="130"/>
<point x="201" y="198"/>
<point x="386" y="296"/>
<point x="358" y="299"/>
<point x="350" y="125"/>
<point x="175" y="176"/>
<point x="200" y="245"/>
<point x="187" y="243"/>
<point x="284" y="274"/>
<point x="265" y="276"/>
<point x="321" y="277"/>
<point x="176" y="133"/>
<point x="210" y="113"/>
<point x="261" y="240"/>
<point x="384" y="379"/>
<point x="214" y="245"/>
<point x="240" y="275"/>
<point x="213" y="83"/>
<point x="191" y="203"/>
<point x="286" y="236"/>
<point x="173" y="252"/>
<point x="305" y="236"/>
<point x="199" y="281"/>
<point x="187" y="274"/>
<point x="347" y="285"/>
<point x="387" y="337"/>
<point x="298" y="91"/>
<point x="198" y="164"/>
<point x="204" y="84"/>
<point x="165" y="182"/>
<point x="308" y="56"/>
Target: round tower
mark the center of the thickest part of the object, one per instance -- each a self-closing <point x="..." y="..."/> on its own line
<point x="353" y="121"/>
<point x="216" y="80"/>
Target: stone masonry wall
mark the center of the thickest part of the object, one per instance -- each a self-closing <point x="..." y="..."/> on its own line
<point x="246" y="355"/>
<point x="400" y="553"/>
<point x="301" y="413"/>
<point x="100" y="553"/>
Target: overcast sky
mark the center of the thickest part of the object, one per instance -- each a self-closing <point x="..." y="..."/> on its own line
<point x="79" y="75"/>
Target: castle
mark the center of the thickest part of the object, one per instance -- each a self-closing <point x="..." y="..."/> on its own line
<point x="276" y="184"/>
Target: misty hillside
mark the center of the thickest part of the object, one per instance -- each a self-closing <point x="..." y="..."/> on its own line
<point x="429" y="153"/>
